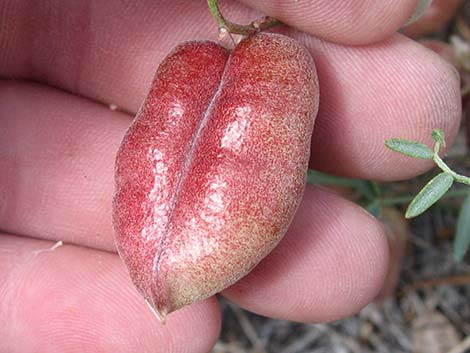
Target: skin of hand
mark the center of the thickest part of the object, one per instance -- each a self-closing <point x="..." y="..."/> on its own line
<point x="63" y="63"/>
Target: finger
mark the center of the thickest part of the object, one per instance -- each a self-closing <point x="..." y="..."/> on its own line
<point x="107" y="51"/>
<point x="74" y="298"/>
<point x="57" y="160"/>
<point x="331" y="263"/>
<point x="370" y="94"/>
<point x="349" y="22"/>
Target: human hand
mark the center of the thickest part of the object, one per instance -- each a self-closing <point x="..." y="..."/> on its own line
<point x="58" y="140"/>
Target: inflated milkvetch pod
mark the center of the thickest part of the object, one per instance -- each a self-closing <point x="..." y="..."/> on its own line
<point x="213" y="168"/>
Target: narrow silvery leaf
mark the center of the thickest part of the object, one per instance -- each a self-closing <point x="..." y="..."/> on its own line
<point x="374" y="209"/>
<point x="462" y="234"/>
<point x="367" y="188"/>
<point x="428" y="195"/>
<point x="410" y="148"/>
<point x="438" y="136"/>
<point x="420" y="9"/>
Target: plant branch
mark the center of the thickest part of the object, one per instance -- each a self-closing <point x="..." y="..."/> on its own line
<point x="445" y="168"/>
<point x="234" y="28"/>
<point x="401" y="200"/>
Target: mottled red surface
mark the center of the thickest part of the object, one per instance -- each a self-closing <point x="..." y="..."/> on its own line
<point x="213" y="168"/>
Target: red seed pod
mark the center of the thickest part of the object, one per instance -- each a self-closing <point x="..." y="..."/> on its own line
<point x="213" y="168"/>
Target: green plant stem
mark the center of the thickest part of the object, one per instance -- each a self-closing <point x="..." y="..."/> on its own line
<point x="445" y="168"/>
<point x="214" y="9"/>
<point x="246" y="30"/>
<point x="402" y="200"/>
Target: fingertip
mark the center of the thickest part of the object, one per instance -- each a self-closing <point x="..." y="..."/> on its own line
<point x="346" y="22"/>
<point x="205" y="320"/>
<point x="332" y="262"/>
<point x="91" y="305"/>
<point x="437" y="104"/>
<point x="394" y="89"/>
